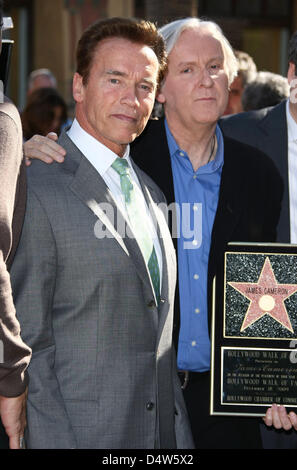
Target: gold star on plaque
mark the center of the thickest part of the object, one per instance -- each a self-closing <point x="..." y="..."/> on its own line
<point x="267" y="298"/>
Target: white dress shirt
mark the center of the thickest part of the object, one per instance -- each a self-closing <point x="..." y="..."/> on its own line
<point x="292" y="168"/>
<point x="102" y="158"/>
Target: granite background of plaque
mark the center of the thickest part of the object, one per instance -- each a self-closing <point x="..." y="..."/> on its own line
<point x="243" y="263"/>
<point x="247" y="267"/>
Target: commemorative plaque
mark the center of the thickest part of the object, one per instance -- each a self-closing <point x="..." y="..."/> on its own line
<point x="254" y="330"/>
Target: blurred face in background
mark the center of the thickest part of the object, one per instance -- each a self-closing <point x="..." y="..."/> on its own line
<point x="234" y="103"/>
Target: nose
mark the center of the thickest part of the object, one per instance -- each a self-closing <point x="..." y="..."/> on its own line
<point x="206" y="78"/>
<point x="129" y="97"/>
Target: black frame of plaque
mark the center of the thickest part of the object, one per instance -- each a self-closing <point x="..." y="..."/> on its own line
<point x="221" y="342"/>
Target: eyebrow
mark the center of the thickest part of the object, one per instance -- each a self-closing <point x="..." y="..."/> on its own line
<point x="116" y="72"/>
<point x="193" y="62"/>
<point x="123" y="74"/>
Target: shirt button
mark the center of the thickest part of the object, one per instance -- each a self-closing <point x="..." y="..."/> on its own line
<point x="196" y="276"/>
<point x="197" y="310"/>
<point x="194" y="177"/>
<point x="195" y="208"/>
<point x="182" y="154"/>
<point x="150" y="406"/>
<point x="193" y="343"/>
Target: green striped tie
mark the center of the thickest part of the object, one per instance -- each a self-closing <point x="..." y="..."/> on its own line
<point x="138" y="223"/>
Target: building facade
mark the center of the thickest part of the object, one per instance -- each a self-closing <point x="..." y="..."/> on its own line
<point x="46" y="32"/>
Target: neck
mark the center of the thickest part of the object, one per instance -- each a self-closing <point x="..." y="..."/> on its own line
<point x="199" y="143"/>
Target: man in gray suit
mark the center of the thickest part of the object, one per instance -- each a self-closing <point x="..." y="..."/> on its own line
<point x="94" y="276"/>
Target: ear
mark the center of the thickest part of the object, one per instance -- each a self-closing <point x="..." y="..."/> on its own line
<point x="160" y="97"/>
<point x="78" y="88"/>
<point x="291" y="72"/>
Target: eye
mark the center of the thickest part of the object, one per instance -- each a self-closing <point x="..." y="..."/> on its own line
<point x="114" y="81"/>
<point x="145" y="87"/>
<point x="187" y="70"/>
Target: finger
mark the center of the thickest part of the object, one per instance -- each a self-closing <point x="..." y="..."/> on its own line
<point x="52" y="136"/>
<point x="49" y="142"/>
<point x="275" y="417"/>
<point x="43" y="148"/>
<point x="293" y="419"/>
<point x="27" y="161"/>
<point x="284" y="418"/>
<point x="268" y="417"/>
<point x="14" y="442"/>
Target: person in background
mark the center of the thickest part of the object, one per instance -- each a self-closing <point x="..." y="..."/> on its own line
<point x="45" y="112"/>
<point x="14" y="354"/>
<point x="267" y="89"/>
<point x="247" y="71"/>
<point x="41" y="78"/>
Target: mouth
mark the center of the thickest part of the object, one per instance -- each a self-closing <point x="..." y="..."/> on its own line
<point x="125" y="118"/>
<point x="206" y="99"/>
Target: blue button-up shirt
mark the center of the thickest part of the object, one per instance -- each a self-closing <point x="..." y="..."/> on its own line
<point x="197" y="194"/>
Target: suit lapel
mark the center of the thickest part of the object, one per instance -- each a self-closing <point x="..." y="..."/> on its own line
<point x="274" y="141"/>
<point x="91" y="189"/>
<point x="275" y="124"/>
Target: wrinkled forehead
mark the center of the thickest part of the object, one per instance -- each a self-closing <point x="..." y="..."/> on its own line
<point x="199" y="42"/>
<point x="122" y="47"/>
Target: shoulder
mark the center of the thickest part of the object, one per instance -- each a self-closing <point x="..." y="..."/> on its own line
<point x="247" y="121"/>
<point x="247" y="158"/>
<point x="250" y="120"/>
<point x="9" y="116"/>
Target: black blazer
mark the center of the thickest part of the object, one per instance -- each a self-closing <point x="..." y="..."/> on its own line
<point x="249" y="200"/>
<point x="266" y="129"/>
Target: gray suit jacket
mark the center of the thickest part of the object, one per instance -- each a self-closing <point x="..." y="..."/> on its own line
<point x="266" y="129"/>
<point x="103" y="371"/>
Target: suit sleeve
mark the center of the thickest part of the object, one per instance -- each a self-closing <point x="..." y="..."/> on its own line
<point x="33" y="278"/>
<point x="14" y="354"/>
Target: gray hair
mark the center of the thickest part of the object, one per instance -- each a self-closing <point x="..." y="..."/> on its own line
<point x="268" y="89"/>
<point x="41" y="72"/>
<point x="172" y="31"/>
<point x="293" y="50"/>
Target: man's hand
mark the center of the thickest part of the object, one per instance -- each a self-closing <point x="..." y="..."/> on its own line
<point x="13" y="417"/>
<point x="44" y="148"/>
<point x="277" y="416"/>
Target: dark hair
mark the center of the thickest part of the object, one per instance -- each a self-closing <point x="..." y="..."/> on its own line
<point x="247" y="68"/>
<point x="141" y="32"/>
<point x="268" y="89"/>
<point x="38" y="114"/>
<point x="293" y="50"/>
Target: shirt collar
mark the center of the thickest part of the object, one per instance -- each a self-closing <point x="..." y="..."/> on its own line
<point x="292" y="125"/>
<point x="213" y="165"/>
<point x="100" y="156"/>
